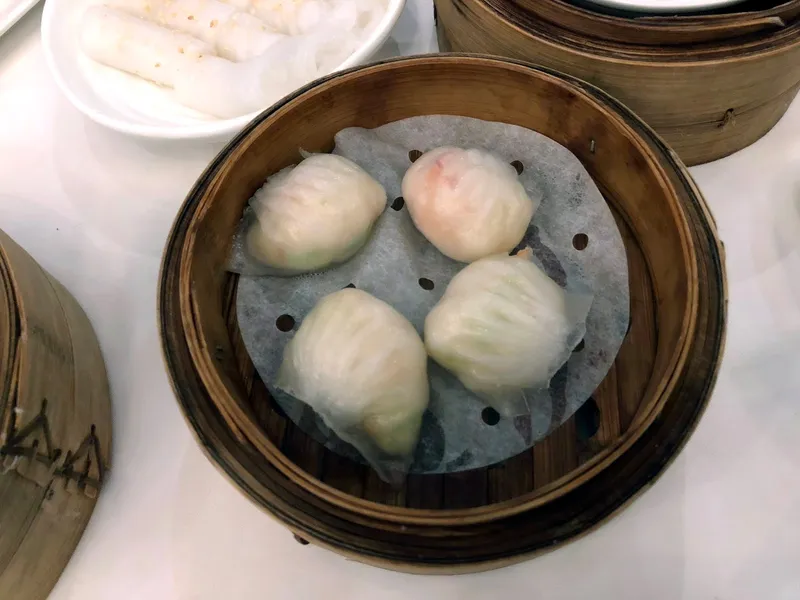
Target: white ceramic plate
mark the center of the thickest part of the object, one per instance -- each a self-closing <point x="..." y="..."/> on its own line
<point x="664" y="6"/>
<point x="12" y="11"/>
<point x="132" y="105"/>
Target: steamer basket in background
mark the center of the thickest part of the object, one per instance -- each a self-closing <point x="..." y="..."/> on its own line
<point x="708" y="85"/>
<point x="55" y="425"/>
<point x="575" y="479"/>
<point x="751" y="17"/>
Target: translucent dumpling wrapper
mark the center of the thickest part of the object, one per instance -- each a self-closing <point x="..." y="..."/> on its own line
<point x="503" y="326"/>
<point x="362" y="367"/>
<point x="313" y="215"/>
<point x="468" y="203"/>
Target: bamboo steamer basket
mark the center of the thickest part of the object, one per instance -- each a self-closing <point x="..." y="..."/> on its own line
<point x="757" y="16"/>
<point x="708" y="90"/>
<point x="567" y="484"/>
<point x="55" y="425"/>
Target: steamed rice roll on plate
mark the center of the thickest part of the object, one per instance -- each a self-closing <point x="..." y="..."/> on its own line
<point x="362" y="367"/>
<point x="291" y="17"/>
<point x="313" y="215"/>
<point x="201" y="80"/>
<point x="503" y="326"/>
<point x="468" y="203"/>
<point x="226" y="89"/>
<point x="126" y="84"/>
<point x="234" y="34"/>
<point x="298" y="17"/>
<point x="139" y="47"/>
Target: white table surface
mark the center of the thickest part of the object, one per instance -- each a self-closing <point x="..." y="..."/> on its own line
<point x="94" y="208"/>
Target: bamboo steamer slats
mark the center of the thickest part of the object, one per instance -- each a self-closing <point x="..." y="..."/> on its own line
<point x="55" y="429"/>
<point x="708" y="96"/>
<point x="564" y="486"/>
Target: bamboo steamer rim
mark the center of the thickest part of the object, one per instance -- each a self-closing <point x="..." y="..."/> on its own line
<point x="239" y="417"/>
<point x="788" y="36"/>
<point x="790" y="33"/>
<point x="720" y="27"/>
<point x="212" y="438"/>
<point x="265" y="446"/>
<point x="8" y="304"/>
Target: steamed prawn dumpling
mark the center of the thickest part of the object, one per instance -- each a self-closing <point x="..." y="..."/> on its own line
<point x="315" y="214"/>
<point x="362" y="367"/>
<point x="468" y="203"/>
<point x="503" y="326"/>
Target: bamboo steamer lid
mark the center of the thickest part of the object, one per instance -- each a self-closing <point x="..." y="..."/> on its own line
<point x="55" y="425"/>
<point x="719" y="90"/>
<point x="575" y="479"/>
